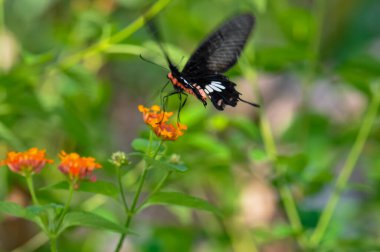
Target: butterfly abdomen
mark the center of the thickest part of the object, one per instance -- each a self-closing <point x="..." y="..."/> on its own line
<point x="194" y="89"/>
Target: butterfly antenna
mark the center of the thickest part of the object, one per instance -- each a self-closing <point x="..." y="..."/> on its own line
<point x="153" y="63"/>
<point x="152" y="28"/>
<point x="250" y="103"/>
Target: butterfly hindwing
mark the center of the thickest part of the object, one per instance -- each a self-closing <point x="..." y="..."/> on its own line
<point x="220" y="51"/>
<point x="219" y="90"/>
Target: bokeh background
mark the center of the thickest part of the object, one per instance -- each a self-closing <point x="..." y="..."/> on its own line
<point x="313" y="65"/>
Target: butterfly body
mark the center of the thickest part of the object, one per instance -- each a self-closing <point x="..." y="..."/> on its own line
<point x="181" y="84"/>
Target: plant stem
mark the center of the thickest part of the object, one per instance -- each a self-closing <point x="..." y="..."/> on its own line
<point x="43" y="218"/>
<point x="53" y="244"/>
<point x="133" y="208"/>
<point x="116" y="38"/>
<point x="271" y="149"/>
<point x="122" y="193"/>
<point x="67" y="205"/>
<point x="290" y="205"/>
<point x="161" y="183"/>
<point x="315" y="41"/>
<point x="2" y="23"/>
<point x="346" y="171"/>
<point x="134" y="203"/>
<point x="155" y="190"/>
<point x="29" y="181"/>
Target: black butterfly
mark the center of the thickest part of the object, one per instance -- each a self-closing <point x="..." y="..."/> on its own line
<point x="202" y="75"/>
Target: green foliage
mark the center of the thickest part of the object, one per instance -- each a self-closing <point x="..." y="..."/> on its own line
<point x="100" y="187"/>
<point x="91" y="220"/>
<point x="180" y="199"/>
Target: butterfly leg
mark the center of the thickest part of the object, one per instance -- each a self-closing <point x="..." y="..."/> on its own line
<point x="162" y="91"/>
<point x="165" y="100"/>
<point x="181" y="104"/>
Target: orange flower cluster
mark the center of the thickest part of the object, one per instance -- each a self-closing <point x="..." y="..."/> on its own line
<point x="158" y="119"/>
<point x="27" y="162"/>
<point x="77" y="167"/>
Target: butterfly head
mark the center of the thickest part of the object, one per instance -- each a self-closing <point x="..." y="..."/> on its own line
<point x="174" y="74"/>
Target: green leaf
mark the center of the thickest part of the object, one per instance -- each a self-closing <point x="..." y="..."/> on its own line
<point x="12" y="209"/>
<point x="247" y="127"/>
<point x="259" y="155"/>
<point x="30" y="213"/>
<point x="87" y="219"/>
<point x="100" y="187"/>
<point x="160" y="164"/>
<point x="34" y="211"/>
<point x="177" y="167"/>
<point x="295" y="162"/>
<point x="141" y="144"/>
<point x="181" y="199"/>
<point x="37" y="212"/>
<point x="214" y="148"/>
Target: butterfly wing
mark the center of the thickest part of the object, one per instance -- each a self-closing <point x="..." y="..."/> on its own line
<point x="220" y="51"/>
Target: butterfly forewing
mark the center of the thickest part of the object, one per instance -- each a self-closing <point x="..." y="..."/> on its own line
<point x="221" y="49"/>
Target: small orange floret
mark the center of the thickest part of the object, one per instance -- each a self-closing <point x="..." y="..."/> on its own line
<point x="77" y="167"/>
<point x="157" y="119"/>
<point x="27" y="162"/>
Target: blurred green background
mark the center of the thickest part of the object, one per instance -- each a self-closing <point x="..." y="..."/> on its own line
<point x="311" y="64"/>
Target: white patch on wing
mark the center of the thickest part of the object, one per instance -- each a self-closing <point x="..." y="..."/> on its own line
<point x="217" y="84"/>
<point x="205" y="91"/>
<point x="209" y="89"/>
<point x="215" y="88"/>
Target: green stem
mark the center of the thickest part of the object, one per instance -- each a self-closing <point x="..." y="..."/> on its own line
<point x="2" y="23"/>
<point x="122" y="193"/>
<point x="161" y="183"/>
<point x="53" y="244"/>
<point x="133" y="208"/>
<point x="290" y="205"/>
<point x="155" y="190"/>
<point x="53" y="236"/>
<point x="346" y="171"/>
<point x="316" y="39"/>
<point x="118" y="37"/>
<point x="43" y="217"/>
<point x="29" y="181"/>
<point x="67" y="205"/>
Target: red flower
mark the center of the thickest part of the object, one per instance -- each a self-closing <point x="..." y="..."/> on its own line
<point x="77" y="167"/>
<point x="158" y="119"/>
<point x="27" y="162"/>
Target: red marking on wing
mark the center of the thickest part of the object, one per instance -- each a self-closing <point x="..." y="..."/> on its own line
<point x="201" y="92"/>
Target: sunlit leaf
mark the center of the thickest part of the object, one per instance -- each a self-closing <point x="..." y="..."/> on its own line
<point x="142" y="145"/>
<point x="164" y="164"/>
<point x="101" y="187"/>
<point x="259" y="155"/>
<point x="13" y="209"/>
<point x="181" y="199"/>
<point x="87" y="219"/>
<point x="37" y="210"/>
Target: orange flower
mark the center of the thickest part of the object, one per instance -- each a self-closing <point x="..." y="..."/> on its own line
<point x="157" y="119"/>
<point x="27" y="162"/>
<point x="77" y="167"/>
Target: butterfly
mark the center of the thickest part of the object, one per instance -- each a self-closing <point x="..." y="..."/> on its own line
<point x="203" y="74"/>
